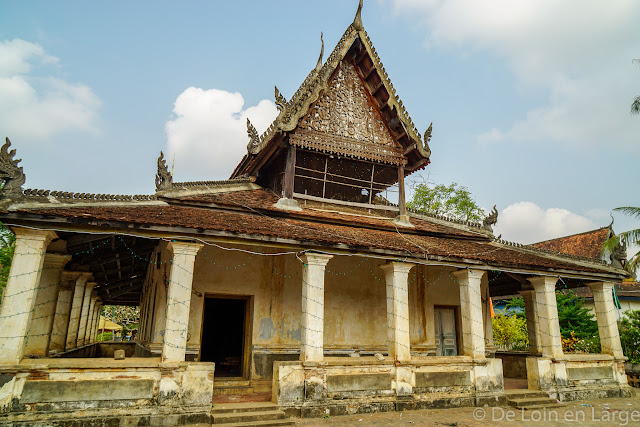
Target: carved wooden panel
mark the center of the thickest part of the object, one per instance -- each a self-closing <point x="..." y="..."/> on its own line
<point x="344" y="121"/>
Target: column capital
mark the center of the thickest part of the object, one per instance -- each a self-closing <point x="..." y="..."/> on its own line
<point x="311" y="258"/>
<point x="56" y="260"/>
<point x="526" y="291"/>
<point x="397" y="266"/>
<point x="184" y="248"/>
<point x="33" y="234"/>
<point x="601" y="286"/>
<point x="70" y="276"/>
<point x="468" y="273"/>
<point x="90" y="285"/>
<point x="542" y="281"/>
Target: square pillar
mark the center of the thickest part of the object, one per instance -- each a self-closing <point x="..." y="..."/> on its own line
<point x="44" y="310"/>
<point x="607" y="318"/>
<point x="397" y="277"/>
<point x="548" y="326"/>
<point x="529" y="297"/>
<point x="90" y="316"/>
<point x="174" y="344"/>
<point x="84" y="313"/>
<point x="76" y="309"/>
<point x="63" y="311"/>
<point x="313" y="306"/>
<point x="471" y="311"/>
<point x="96" y="321"/>
<point x="20" y="293"/>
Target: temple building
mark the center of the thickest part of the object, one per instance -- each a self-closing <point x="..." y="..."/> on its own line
<point x="303" y="280"/>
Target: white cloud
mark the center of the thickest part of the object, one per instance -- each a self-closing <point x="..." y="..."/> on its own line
<point x="35" y="107"/>
<point x="578" y="51"/>
<point x="526" y="222"/>
<point x="209" y="132"/>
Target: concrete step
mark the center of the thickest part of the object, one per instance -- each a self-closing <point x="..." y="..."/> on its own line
<point x="232" y="389"/>
<point x="285" y="422"/>
<point x="247" y="417"/>
<point x="519" y="394"/>
<point x="534" y="407"/>
<point x="533" y="402"/>
<point x="225" y="408"/>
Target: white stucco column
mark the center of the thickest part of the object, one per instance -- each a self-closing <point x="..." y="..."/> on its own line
<point x="90" y="316"/>
<point x="96" y="321"/>
<point x="44" y="310"/>
<point x="179" y="300"/>
<point x="20" y="293"/>
<point x="313" y="268"/>
<point x="84" y="313"/>
<point x="76" y="309"/>
<point x="607" y="318"/>
<point x="397" y="280"/>
<point x="547" y="315"/>
<point x="529" y="298"/>
<point x="63" y="310"/>
<point x="471" y="311"/>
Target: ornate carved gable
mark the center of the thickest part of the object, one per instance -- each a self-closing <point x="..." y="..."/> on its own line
<point x="344" y="121"/>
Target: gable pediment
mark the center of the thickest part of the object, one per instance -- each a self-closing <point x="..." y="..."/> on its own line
<point x="345" y="121"/>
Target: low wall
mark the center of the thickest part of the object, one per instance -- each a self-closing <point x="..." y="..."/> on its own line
<point x="579" y="376"/>
<point x="514" y="363"/>
<point x="47" y="389"/>
<point x="339" y="386"/>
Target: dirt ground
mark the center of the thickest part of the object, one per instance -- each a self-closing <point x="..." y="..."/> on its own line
<point x="600" y="412"/>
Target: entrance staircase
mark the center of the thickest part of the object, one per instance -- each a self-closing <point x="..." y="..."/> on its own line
<point x="249" y="414"/>
<point x="530" y="399"/>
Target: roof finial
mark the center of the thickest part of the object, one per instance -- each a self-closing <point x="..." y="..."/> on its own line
<point x="319" y="64"/>
<point x="164" y="179"/>
<point x="281" y="102"/>
<point x="357" y="21"/>
<point x="11" y="174"/>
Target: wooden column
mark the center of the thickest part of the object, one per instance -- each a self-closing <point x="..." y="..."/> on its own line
<point x="289" y="172"/>
<point x="401" y="198"/>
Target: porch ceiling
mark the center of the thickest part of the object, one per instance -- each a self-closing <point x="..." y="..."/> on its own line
<point x="118" y="263"/>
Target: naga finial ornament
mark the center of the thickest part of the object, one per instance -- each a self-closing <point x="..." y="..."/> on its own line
<point x="11" y="174"/>
<point x="164" y="180"/>
<point x="254" y="138"/>
<point x="281" y="101"/>
<point x="618" y="256"/>
<point x="490" y="220"/>
<point x="427" y="135"/>
<point x="357" y="21"/>
<point x="319" y="64"/>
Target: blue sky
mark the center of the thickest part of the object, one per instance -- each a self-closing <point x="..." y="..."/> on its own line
<point x="529" y="99"/>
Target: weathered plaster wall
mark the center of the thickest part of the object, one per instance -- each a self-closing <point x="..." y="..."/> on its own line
<point x="355" y="301"/>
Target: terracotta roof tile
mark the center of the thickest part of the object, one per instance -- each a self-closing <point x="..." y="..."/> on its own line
<point x="265" y="200"/>
<point x="587" y="244"/>
<point x="311" y="232"/>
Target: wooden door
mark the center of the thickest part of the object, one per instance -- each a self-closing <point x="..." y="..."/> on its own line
<point x="446" y="333"/>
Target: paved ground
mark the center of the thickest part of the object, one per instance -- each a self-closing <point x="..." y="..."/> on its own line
<point x="601" y="412"/>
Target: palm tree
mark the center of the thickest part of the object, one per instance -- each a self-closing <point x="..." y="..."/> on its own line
<point x="635" y="105"/>
<point x="631" y="237"/>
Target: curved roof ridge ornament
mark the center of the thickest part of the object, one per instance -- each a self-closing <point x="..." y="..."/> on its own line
<point x="12" y="176"/>
<point x="281" y="101"/>
<point x="319" y="64"/>
<point x="357" y="21"/>
<point x="254" y="138"/>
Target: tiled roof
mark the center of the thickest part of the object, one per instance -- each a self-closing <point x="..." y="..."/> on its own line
<point x="623" y="289"/>
<point x="587" y="244"/>
<point x="265" y="200"/>
<point x="364" y="239"/>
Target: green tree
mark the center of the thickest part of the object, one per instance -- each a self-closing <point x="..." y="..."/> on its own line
<point x="572" y="315"/>
<point x="627" y="238"/>
<point x="510" y="332"/>
<point x="452" y="200"/>
<point x="630" y="335"/>
<point x="7" y="246"/>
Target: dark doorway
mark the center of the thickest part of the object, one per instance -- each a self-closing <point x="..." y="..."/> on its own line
<point x="223" y="335"/>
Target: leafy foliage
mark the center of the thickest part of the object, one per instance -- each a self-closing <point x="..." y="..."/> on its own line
<point x="510" y="332"/>
<point x="452" y="200"/>
<point x="125" y="316"/>
<point x="635" y="105"/>
<point x="630" y="335"/>
<point x="7" y="246"/>
<point x="576" y="321"/>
